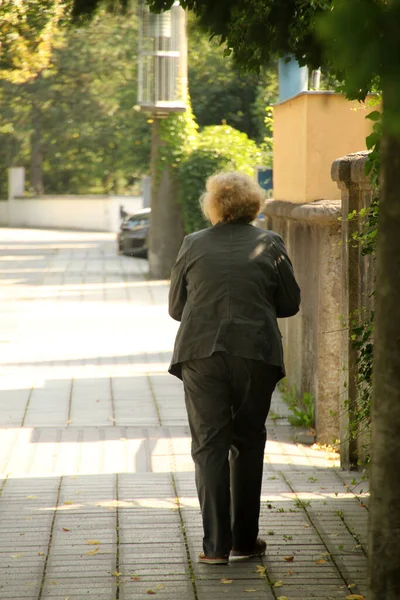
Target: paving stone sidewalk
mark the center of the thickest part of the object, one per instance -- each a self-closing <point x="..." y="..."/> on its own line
<point x="97" y="494"/>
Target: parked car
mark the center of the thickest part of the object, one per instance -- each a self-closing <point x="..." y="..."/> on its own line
<point x="132" y="238"/>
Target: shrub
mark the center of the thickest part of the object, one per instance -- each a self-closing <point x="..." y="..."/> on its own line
<point x="219" y="148"/>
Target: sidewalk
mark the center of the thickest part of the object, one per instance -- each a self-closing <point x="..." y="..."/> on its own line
<point x="97" y="493"/>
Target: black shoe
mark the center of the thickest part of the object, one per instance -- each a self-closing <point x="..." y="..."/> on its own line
<point x="258" y="549"/>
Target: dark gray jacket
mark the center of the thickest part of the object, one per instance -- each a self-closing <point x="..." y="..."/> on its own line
<point x="228" y="286"/>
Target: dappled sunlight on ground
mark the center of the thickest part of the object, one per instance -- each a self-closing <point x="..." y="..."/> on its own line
<point x="96" y="479"/>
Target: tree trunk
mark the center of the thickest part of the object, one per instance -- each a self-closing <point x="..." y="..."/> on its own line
<point x="166" y="232"/>
<point x="37" y="155"/>
<point x="384" y="531"/>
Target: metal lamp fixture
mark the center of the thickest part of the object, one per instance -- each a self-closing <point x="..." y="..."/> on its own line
<point x="162" y="60"/>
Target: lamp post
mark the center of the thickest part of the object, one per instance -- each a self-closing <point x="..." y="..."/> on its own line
<point x="162" y="91"/>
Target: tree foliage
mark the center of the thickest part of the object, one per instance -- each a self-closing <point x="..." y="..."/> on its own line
<point x="361" y="40"/>
<point x="255" y="31"/>
<point x="346" y="36"/>
<point x="28" y="32"/>
<point x="84" y="10"/>
<point x="220" y="92"/>
<point x="76" y="121"/>
<point x="362" y="322"/>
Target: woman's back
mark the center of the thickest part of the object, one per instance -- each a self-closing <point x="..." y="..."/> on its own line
<point x="230" y="273"/>
<point x="227" y="290"/>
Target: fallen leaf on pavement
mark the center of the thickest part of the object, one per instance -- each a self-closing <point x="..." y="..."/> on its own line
<point x="355" y="597"/>
<point x="160" y="586"/>
<point x="249" y="590"/>
<point x="226" y="580"/>
<point x="16" y="555"/>
<point x="261" y="570"/>
<point x="152" y="592"/>
<point x="93" y="542"/>
<point x="116" y="574"/>
<point x="288" y="558"/>
<point x="135" y="578"/>
<point x="351" y="585"/>
<point x="31" y="497"/>
<point x="321" y="561"/>
<point x="40" y="553"/>
<point x="65" y="529"/>
<point x="68" y="502"/>
<point x="283" y="598"/>
<point x="91" y="552"/>
<point x="278" y="584"/>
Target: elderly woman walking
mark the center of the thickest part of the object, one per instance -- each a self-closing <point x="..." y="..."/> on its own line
<point x="228" y="286"/>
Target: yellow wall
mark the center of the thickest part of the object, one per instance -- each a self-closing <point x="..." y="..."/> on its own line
<point x="312" y="130"/>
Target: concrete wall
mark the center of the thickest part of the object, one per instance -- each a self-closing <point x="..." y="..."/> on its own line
<point x="310" y="131"/>
<point x="357" y="280"/>
<point x="335" y="280"/>
<point x="92" y="213"/>
<point x="312" y="340"/>
<point x="85" y="212"/>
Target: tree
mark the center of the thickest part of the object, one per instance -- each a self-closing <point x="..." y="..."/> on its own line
<point x="374" y="43"/>
<point x="74" y="125"/>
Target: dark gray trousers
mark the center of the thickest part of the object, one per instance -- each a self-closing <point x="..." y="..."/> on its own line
<point x="227" y="400"/>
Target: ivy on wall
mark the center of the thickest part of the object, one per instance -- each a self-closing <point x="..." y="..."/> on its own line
<point x="178" y="136"/>
<point x="362" y="325"/>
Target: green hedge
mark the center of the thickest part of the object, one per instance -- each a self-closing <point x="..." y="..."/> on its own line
<point x="219" y="148"/>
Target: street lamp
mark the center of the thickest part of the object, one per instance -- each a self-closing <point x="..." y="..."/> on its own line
<point x="162" y="60"/>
